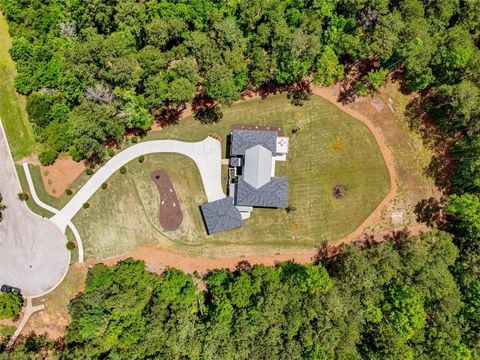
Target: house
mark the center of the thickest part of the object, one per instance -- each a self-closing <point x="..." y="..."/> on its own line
<point x="252" y="181"/>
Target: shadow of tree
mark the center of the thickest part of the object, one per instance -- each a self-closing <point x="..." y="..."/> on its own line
<point x="169" y="115"/>
<point x="429" y="211"/>
<point x="442" y="165"/>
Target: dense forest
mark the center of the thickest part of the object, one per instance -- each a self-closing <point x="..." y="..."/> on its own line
<point x="394" y="300"/>
<point x="94" y="69"/>
<point x="125" y="63"/>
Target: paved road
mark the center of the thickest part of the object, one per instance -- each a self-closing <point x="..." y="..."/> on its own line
<point x="207" y="155"/>
<point x="33" y="255"/>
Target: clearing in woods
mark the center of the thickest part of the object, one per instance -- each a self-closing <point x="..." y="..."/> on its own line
<point x="329" y="148"/>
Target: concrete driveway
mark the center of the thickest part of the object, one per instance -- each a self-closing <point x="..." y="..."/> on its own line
<point x="33" y="255"/>
<point x="207" y="155"/>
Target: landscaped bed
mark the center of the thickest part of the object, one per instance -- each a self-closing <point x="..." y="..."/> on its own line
<point x="328" y="148"/>
<point x="171" y="215"/>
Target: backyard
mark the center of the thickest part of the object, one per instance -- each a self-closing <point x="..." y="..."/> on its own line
<point x="330" y="148"/>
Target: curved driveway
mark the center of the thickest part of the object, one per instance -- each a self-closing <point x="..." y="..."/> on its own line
<point x="206" y="154"/>
<point x="33" y="255"/>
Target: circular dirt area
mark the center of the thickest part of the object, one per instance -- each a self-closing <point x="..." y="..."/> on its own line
<point x="171" y="215"/>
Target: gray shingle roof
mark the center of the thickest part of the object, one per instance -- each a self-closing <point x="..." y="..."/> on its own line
<point x="273" y="194"/>
<point x="221" y="215"/>
<point x="243" y="140"/>
<point x="258" y="166"/>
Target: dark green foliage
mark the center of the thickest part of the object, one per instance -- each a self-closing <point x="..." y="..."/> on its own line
<point x="86" y="205"/>
<point x="22" y="196"/>
<point x="134" y="140"/>
<point x="89" y="171"/>
<point x="104" y="186"/>
<point x="141" y="159"/>
<point x="47" y="157"/>
<point x="71" y="245"/>
<point x="386" y="300"/>
<point x="69" y="192"/>
<point x="123" y="170"/>
<point x="134" y="58"/>
<point x="371" y="82"/>
<point x="10" y="305"/>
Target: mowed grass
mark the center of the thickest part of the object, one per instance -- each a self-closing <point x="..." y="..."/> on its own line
<point x="12" y="105"/>
<point x="330" y="148"/>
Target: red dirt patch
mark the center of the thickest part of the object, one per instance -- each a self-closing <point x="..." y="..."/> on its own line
<point x="59" y="176"/>
<point x="171" y="215"/>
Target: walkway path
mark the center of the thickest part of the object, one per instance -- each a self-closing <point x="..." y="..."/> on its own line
<point x="53" y="210"/>
<point x="33" y="255"/>
<point x="29" y="311"/>
<point x="207" y="155"/>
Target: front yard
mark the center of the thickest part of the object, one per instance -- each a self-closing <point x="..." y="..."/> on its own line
<point x="330" y="148"/>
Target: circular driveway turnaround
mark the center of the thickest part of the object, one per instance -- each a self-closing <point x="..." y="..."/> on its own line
<point x="33" y="255"/>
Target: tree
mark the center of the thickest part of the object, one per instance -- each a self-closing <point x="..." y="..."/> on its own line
<point x="220" y="84"/>
<point x="465" y="209"/>
<point x="10" y="305"/>
<point x="180" y="91"/>
<point x="467" y="171"/>
<point x="371" y="82"/>
<point x="328" y="67"/>
<point x="404" y="311"/>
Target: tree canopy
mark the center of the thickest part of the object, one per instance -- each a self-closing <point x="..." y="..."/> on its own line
<point x="133" y="58"/>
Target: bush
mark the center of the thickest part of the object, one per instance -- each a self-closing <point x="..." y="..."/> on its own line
<point x="68" y="192"/>
<point x="141" y="159"/>
<point x="123" y="170"/>
<point x="111" y="152"/>
<point x="104" y="186"/>
<point x="134" y="140"/>
<point x="10" y="305"/>
<point x="71" y="245"/>
<point x="23" y="196"/>
<point x="89" y="171"/>
<point x="86" y="205"/>
<point x="339" y="191"/>
<point x="47" y="157"/>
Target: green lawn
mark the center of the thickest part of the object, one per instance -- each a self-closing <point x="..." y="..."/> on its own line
<point x="12" y="105"/>
<point x="330" y="148"/>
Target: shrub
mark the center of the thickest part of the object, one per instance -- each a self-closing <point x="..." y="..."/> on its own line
<point x="123" y="170"/>
<point x="104" y="186"/>
<point x="89" y="171"/>
<point x="71" y="245"/>
<point x="134" y="140"/>
<point x="23" y="196"/>
<point x="111" y="152"/>
<point x="47" y="157"/>
<point x="86" y="205"/>
<point x="339" y="191"/>
<point x="68" y="192"/>
<point x="141" y="159"/>
<point x="10" y="305"/>
<point x="290" y="208"/>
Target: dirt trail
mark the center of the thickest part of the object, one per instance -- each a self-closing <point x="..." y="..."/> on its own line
<point x="331" y="95"/>
<point x="157" y="258"/>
